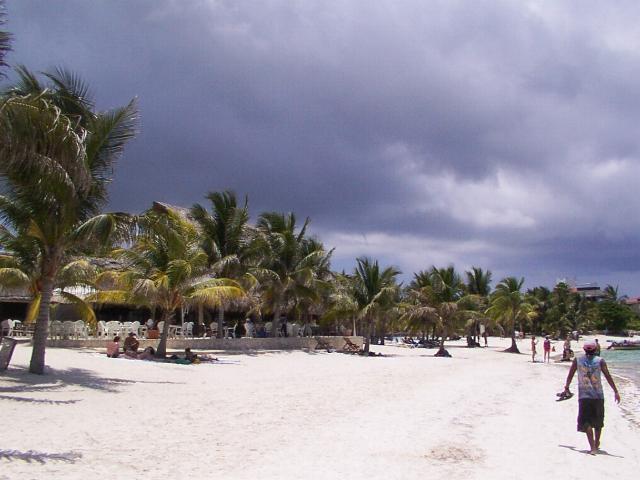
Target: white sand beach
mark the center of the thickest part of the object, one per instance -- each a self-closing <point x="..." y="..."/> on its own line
<point x="296" y="415"/>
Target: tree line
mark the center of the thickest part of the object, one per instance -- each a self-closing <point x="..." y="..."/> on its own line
<point x="57" y="155"/>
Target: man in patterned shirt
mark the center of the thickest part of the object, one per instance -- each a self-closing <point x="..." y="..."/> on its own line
<point x="590" y="394"/>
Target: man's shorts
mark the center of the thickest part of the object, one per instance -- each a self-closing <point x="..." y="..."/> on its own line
<point x="590" y="413"/>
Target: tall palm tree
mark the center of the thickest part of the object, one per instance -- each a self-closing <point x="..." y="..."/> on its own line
<point x="479" y="281"/>
<point x="508" y="306"/>
<point x="52" y="131"/>
<point x="225" y="238"/>
<point x="374" y="292"/>
<point x="291" y="264"/>
<point x="439" y="303"/>
<point x="167" y="269"/>
<point x="479" y="284"/>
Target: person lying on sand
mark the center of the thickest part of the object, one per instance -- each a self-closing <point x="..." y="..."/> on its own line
<point x="190" y="357"/>
<point x="147" y="354"/>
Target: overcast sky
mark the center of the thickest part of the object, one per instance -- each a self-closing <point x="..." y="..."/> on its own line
<point x="499" y="134"/>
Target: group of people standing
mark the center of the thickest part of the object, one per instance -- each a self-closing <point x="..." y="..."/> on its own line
<point x="546" y="347"/>
<point x="567" y="352"/>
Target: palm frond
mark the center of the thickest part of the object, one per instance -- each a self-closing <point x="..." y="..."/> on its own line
<point x="11" y="278"/>
<point x="83" y="307"/>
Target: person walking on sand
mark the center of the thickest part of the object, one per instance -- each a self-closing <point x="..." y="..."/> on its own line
<point x="546" y="347"/>
<point x="534" y="342"/>
<point x="597" y="347"/>
<point x="590" y="394"/>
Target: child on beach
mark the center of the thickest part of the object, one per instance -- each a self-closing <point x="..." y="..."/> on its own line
<point x="547" y="349"/>
<point x="534" y="342"/>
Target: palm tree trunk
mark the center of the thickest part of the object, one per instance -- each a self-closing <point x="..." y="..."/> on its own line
<point x="365" y="333"/>
<point x="514" y="347"/>
<point x="355" y="333"/>
<point x="167" y="316"/>
<point x="42" y="327"/>
<point x="275" y="324"/>
<point x="220" y="322"/>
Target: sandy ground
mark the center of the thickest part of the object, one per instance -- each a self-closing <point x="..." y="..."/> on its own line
<point x="296" y="415"/>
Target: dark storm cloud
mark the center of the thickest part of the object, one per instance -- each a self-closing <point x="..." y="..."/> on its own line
<point x="489" y="132"/>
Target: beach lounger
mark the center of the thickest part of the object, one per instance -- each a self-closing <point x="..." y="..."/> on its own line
<point x="349" y="346"/>
<point x="323" y="344"/>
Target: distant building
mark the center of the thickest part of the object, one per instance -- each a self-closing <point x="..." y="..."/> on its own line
<point x="633" y="303"/>
<point x="590" y="291"/>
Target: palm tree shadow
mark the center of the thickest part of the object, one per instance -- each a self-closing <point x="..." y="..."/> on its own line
<point x="23" y="381"/>
<point x="587" y="452"/>
<point x="31" y="456"/>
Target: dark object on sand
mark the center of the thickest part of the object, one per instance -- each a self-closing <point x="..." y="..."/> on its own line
<point x="442" y="353"/>
<point x="563" y="396"/>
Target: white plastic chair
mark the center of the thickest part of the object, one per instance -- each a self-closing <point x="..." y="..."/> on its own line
<point x="68" y="329"/>
<point x="11" y="327"/>
<point x="175" y="330"/>
<point x="140" y="331"/>
<point x="81" y="329"/>
<point x="55" y="329"/>
<point x="187" y="329"/>
<point x="127" y="328"/>
<point x="102" y="329"/>
<point x="113" y="328"/>
<point x="250" y="329"/>
<point x="293" y="329"/>
<point x="213" y="327"/>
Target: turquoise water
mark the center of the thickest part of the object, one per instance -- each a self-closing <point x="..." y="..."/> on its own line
<point x="626" y="364"/>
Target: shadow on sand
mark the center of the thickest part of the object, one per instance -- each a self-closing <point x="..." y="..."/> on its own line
<point x="587" y="452"/>
<point x="19" y="380"/>
<point x="31" y="456"/>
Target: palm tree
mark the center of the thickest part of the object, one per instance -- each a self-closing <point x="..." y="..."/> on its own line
<point x="374" y="293"/>
<point x="479" y="281"/>
<point x="52" y="132"/>
<point x="19" y="269"/>
<point x="421" y="279"/>
<point x="224" y="234"/>
<point x="540" y="300"/>
<point x="611" y="293"/>
<point x="438" y="303"/>
<point x="341" y="304"/>
<point x="479" y="284"/>
<point x="508" y="306"/>
<point x="291" y="265"/>
<point x="165" y="268"/>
